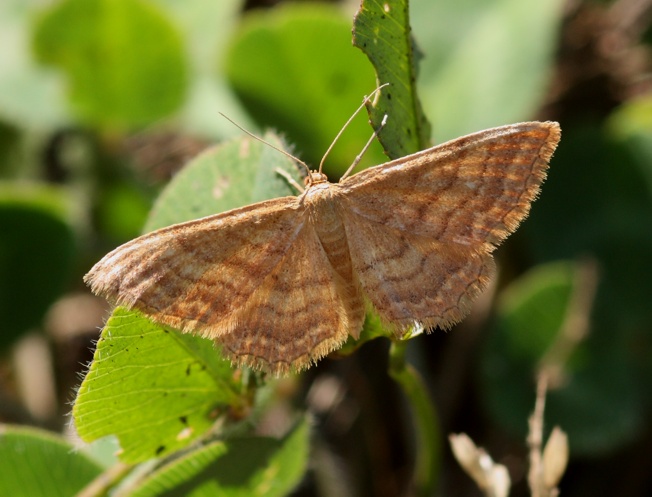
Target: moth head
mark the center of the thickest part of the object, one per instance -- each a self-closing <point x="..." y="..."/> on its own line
<point x="314" y="178"/>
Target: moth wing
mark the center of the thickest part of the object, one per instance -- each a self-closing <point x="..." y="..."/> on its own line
<point x="301" y="311"/>
<point x="421" y="228"/>
<point x="472" y="191"/>
<point x="255" y="279"/>
<point x="193" y="276"/>
<point x="415" y="280"/>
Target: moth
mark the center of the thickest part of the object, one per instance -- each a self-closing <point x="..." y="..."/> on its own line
<point x="281" y="283"/>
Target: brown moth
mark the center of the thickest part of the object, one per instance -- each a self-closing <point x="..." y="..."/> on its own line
<point x="281" y="283"/>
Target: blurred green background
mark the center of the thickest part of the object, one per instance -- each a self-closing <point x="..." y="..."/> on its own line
<point x="103" y="101"/>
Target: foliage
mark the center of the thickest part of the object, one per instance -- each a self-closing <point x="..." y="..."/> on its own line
<point x="39" y="464"/>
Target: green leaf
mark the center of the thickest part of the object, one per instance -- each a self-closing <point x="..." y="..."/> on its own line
<point x="37" y="248"/>
<point x="237" y="467"/>
<point x="294" y="68"/>
<point x="233" y="174"/>
<point x="373" y="328"/>
<point x="155" y="389"/>
<point x="36" y="463"/>
<point x="601" y="205"/>
<point x="122" y="209"/>
<point x="11" y="160"/>
<point x="123" y="59"/>
<point x="382" y="31"/>
<point x="486" y="62"/>
<point x="30" y="96"/>
<point x="632" y="124"/>
<point x="532" y="310"/>
<point x="611" y="204"/>
<point x="598" y="405"/>
<point x="530" y="314"/>
<point x="206" y="28"/>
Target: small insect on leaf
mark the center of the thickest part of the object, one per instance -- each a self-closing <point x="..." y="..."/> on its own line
<point x="281" y="283"/>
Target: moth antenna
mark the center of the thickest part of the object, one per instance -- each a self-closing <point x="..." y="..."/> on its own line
<point x="289" y="179"/>
<point x="296" y="159"/>
<point x="365" y="148"/>
<point x="346" y="124"/>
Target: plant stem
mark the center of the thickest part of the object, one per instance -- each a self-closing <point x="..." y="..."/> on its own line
<point x="428" y="436"/>
<point x="101" y="485"/>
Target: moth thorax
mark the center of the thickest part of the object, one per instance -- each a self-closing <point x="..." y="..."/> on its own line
<point x="315" y="178"/>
